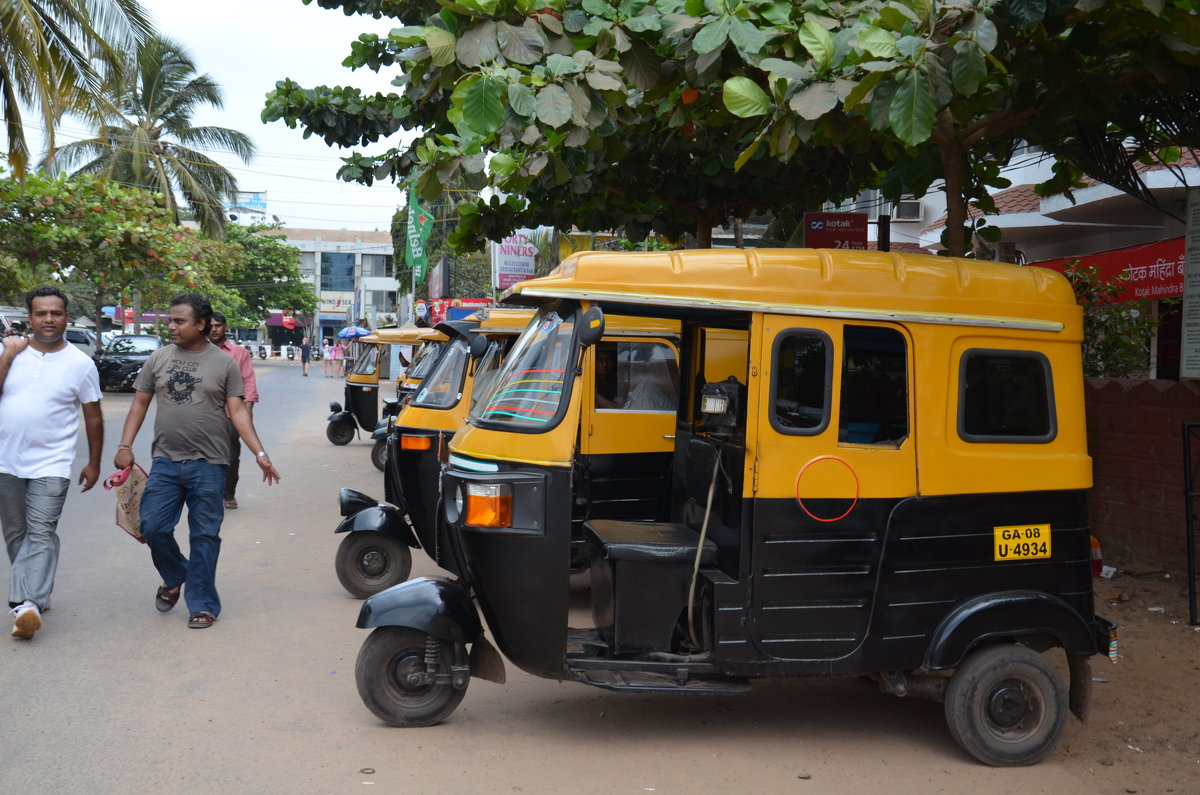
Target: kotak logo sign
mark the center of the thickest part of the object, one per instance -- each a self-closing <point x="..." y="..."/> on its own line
<point x="836" y="230"/>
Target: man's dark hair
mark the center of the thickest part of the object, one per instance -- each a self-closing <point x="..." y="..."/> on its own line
<point x="219" y="317"/>
<point x="201" y="309"/>
<point x="43" y="292"/>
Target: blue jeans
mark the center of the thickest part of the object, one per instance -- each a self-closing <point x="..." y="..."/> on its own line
<point x="29" y="511"/>
<point x="200" y="486"/>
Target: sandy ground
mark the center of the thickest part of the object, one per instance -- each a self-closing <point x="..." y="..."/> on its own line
<point x="112" y="697"/>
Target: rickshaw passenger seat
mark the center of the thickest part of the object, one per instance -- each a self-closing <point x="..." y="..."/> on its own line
<point x="661" y="542"/>
<point x="640" y="573"/>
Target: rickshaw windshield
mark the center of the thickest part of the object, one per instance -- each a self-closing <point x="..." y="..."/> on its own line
<point x="530" y="389"/>
<point x="424" y="359"/>
<point x="486" y="372"/>
<point x="366" y="361"/>
<point x="442" y="387"/>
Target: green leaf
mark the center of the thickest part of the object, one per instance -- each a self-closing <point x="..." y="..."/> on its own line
<point x="788" y="70"/>
<point x="818" y="42"/>
<point x="521" y="100"/>
<point x="749" y="40"/>
<point x="814" y="101"/>
<point x="712" y="36"/>
<point x="748" y="153"/>
<point x="643" y="23"/>
<point x="642" y="66"/>
<point x="1026" y="14"/>
<point x="554" y="106"/>
<point x="969" y="68"/>
<point x="911" y="114"/>
<point x="521" y="44"/>
<point x="478" y="45"/>
<point x="878" y="42"/>
<point x="560" y="65"/>
<point x="603" y="82"/>
<point x="922" y="8"/>
<point x="502" y="164"/>
<point x="441" y="46"/>
<point x="860" y="91"/>
<point x="744" y="98"/>
<point x="599" y="8"/>
<point x="483" y="108"/>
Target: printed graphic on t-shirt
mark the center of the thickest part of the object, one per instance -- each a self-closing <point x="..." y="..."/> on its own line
<point x="181" y="382"/>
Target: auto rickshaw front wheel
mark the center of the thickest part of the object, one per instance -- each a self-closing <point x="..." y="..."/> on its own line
<point x="1006" y="705"/>
<point x="403" y="676"/>
<point x="369" y="561"/>
<point x="340" y="432"/>
<point x="379" y="454"/>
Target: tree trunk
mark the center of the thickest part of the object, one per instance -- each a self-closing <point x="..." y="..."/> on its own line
<point x="703" y="233"/>
<point x="953" y="166"/>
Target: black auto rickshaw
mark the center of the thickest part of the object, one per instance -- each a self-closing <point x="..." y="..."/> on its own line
<point x="880" y="468"/>
<point x="372" y="369"/>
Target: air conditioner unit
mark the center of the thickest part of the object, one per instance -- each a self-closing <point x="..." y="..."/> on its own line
<point x="907" y="210"/>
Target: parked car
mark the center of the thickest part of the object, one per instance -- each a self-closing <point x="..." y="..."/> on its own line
<point x="15" y="318"/>
<point x="83" y="339"/>
<point x="121" y="359"/>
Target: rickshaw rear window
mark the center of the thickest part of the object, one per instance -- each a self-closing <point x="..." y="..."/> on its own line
<point x="874" y="404"/>
<point x="424" y="359"/>
<point x="530" y="386"/>
<point x="1005" y="396"/>
<point x="442" y="387"/>
<point x="486" y="372"/>
<point x="802" y="374"/>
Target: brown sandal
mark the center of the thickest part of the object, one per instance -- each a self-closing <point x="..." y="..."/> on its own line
<point x="201" y="620"/>
<point x="166" y="598"/>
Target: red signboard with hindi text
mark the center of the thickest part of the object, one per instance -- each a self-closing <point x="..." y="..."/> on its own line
<point x="1154" y="270"/>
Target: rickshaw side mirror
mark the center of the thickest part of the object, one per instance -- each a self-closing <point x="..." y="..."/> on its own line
<point x="477" y="344"/>
<point x="591" y="327"/>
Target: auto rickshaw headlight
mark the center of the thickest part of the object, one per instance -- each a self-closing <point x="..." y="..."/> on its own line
<point x="415" y="442"/>
<point x="489" y="505"/>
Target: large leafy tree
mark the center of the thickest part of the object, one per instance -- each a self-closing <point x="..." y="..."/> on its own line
<point x="268" y="276"/>
<point x="106" y="239"/>
<point x="53" y="54"/>
<point x="152" y="143"/>
<point x="605" y="113"/>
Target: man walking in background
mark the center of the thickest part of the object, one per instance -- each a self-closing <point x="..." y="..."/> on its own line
<point x="193" y="384"/>
<point x="43" y="382"/>
<point x="305" y="355"/>
<point x="250" y="384"/>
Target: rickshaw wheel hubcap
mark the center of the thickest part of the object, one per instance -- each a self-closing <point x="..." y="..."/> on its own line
<point x="1007" y="705"/>
<point x="373" y="563"/>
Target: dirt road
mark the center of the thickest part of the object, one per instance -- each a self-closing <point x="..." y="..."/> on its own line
<point x="113" y="697"/>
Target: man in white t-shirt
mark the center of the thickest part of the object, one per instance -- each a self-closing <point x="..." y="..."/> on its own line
<point x="43" y="382"/>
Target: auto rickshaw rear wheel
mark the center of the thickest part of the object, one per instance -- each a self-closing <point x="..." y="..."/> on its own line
<point x="340" y="432"/>
<point x="370" y="561"/>
<point x="379" y="455"/>
<point x="394" y="677"/>
<point x="1006" y="705"/>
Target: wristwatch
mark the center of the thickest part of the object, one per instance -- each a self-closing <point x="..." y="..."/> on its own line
<point x="261" y="454"/>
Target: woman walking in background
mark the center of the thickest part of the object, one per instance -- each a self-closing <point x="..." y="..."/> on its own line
<point x="327" y="358"/>
<point x="339" y="359"/>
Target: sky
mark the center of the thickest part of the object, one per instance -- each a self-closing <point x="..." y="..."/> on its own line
<point x="246" y="46"/>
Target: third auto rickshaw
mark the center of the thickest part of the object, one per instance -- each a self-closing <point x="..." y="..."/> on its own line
<point x="879" y="468"/>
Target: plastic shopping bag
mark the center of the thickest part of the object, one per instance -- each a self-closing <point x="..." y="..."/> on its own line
<point x="129" y="484"/>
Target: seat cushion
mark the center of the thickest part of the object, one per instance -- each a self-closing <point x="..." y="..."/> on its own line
<point x="663" y="542"/>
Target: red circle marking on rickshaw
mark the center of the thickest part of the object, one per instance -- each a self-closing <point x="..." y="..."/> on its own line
<point x="804" y="469"/>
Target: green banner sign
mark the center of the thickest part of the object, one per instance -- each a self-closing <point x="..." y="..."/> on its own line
<point x="420" y="224"/>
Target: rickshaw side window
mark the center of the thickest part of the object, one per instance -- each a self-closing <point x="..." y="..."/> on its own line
<point x="636" y="377"/>
<point x="486" y="372"/>
<point x="442" y="387"/>
<point x="424" y="359"/>
<point x="365" y="364"/>
<point x="1006" y="396"/>
<point x="874" y="401"/>
<point x="801" y="382"/>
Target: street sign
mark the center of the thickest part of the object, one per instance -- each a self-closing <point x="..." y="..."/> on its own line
<point x="835" y="230"/>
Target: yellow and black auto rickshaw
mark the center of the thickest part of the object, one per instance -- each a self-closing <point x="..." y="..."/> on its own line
<point x="622" y="466"/>
<point x="879" y="468"/>
<point x="373" y="370"/>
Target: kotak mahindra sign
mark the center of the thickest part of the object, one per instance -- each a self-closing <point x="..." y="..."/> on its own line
<point x="835" y="230"/>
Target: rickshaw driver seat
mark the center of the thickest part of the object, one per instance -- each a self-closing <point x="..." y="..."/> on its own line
<point x="640" y="576"/>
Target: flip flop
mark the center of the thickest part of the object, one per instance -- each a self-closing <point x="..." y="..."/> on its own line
<point x="201" y="620"/>
<point x="166" y="597"/>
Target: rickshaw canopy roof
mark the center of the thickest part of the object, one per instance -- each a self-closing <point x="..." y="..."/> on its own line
<point x="410" y="335"/>
<point x="865" y="285"/>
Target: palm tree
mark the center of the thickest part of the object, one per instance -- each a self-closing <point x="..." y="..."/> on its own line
<point x="151" y="142"/>
<point x="52" y="55"/>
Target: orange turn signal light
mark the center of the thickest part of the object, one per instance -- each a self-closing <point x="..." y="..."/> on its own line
<point x="416" y="442"/>
<point x="489" y="505"/>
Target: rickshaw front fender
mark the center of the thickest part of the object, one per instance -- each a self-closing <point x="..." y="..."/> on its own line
<point x="381" y="431"/>
<point x="1007" y="614"/>
<point x="379" y="519"/>
<point x="434" y="605"/>
<point x="341" y="416"/>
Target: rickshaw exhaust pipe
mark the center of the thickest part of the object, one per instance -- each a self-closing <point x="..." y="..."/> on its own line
<point x="898" y="683"/>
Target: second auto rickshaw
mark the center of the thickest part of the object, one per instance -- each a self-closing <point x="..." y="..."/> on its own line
<point x="879" y="468"/>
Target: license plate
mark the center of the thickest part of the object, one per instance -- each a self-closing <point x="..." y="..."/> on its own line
<point x="1022" y="542"/>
